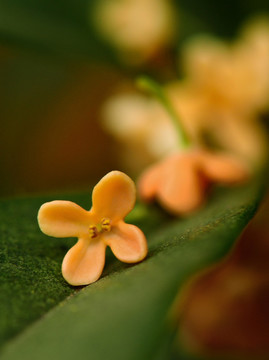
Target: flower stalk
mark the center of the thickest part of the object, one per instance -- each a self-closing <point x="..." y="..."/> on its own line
<point x="151" y="86"/>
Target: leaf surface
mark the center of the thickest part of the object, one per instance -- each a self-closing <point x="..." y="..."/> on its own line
<point x="124" y="314"/>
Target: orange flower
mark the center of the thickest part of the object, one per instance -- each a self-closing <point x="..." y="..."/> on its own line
<point x="113" y="198"/>
<point x="179" y="182"/>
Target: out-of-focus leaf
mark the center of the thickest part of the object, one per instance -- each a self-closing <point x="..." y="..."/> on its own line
<point x="222" y="18"/>
<point x="66" y="27"/>
<point x="123" y="315"/>
<point x="58" y="26"/>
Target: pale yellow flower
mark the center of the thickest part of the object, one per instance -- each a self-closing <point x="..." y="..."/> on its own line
<point x="137" y="28"/>
<point x="225" y="90"/>
<point x="206" y="120"/>
<point x="234" y="75"/>
<point x="113" y="198"/>
<point x="255" y="39"/>
<point x="142" y="126"/>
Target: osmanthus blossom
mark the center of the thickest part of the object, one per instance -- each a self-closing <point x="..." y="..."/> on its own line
<point x="137" y="28"/>
<point x="180" y="181"/>
<point x="141" y="126"/>
<point x="224" y="91"/>
<point x="112" y="198"/>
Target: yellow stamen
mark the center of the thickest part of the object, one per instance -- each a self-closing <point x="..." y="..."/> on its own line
<point x="106" y="224"/>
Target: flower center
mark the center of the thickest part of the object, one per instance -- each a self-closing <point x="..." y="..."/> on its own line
<point x="103" y="226"/>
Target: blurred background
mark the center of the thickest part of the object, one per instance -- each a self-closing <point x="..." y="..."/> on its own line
<point x="61" y="61"/>
<point x="70" y="112"/>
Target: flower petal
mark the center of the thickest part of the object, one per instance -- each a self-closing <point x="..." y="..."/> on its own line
<point x="149" y="182"/>
<point x="181" y="189"/>
<point x="84" y="262"/>
<point x="113" y="197"/>
<point x="63" y="219"/>
<point x="223" y="168"/>
<point x="127" y="242"/>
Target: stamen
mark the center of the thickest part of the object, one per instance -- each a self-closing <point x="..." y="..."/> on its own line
<point x="93" y="231"/>
<point x="106" y="224"/>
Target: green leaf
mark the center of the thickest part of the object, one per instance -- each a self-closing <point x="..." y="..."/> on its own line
<point x="123" y="315"/>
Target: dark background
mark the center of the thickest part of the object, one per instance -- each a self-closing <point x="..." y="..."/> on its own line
<point x="55" y="74"/>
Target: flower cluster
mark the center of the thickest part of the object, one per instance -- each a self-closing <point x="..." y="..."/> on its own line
<point x="219" y="101"/>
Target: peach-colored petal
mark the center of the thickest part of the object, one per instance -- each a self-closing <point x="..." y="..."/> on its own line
<point x="182" y="189"/>
<point x="84" y="262"/>
<point x="127" y="242"/>
<point x="149" y="182"/>
<point x="63" y="219"/>
<point x="223" y="168"/>
<point x="113" y="197"/>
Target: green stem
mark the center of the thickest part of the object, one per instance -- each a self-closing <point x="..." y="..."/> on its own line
<point x="155" y="89"/>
